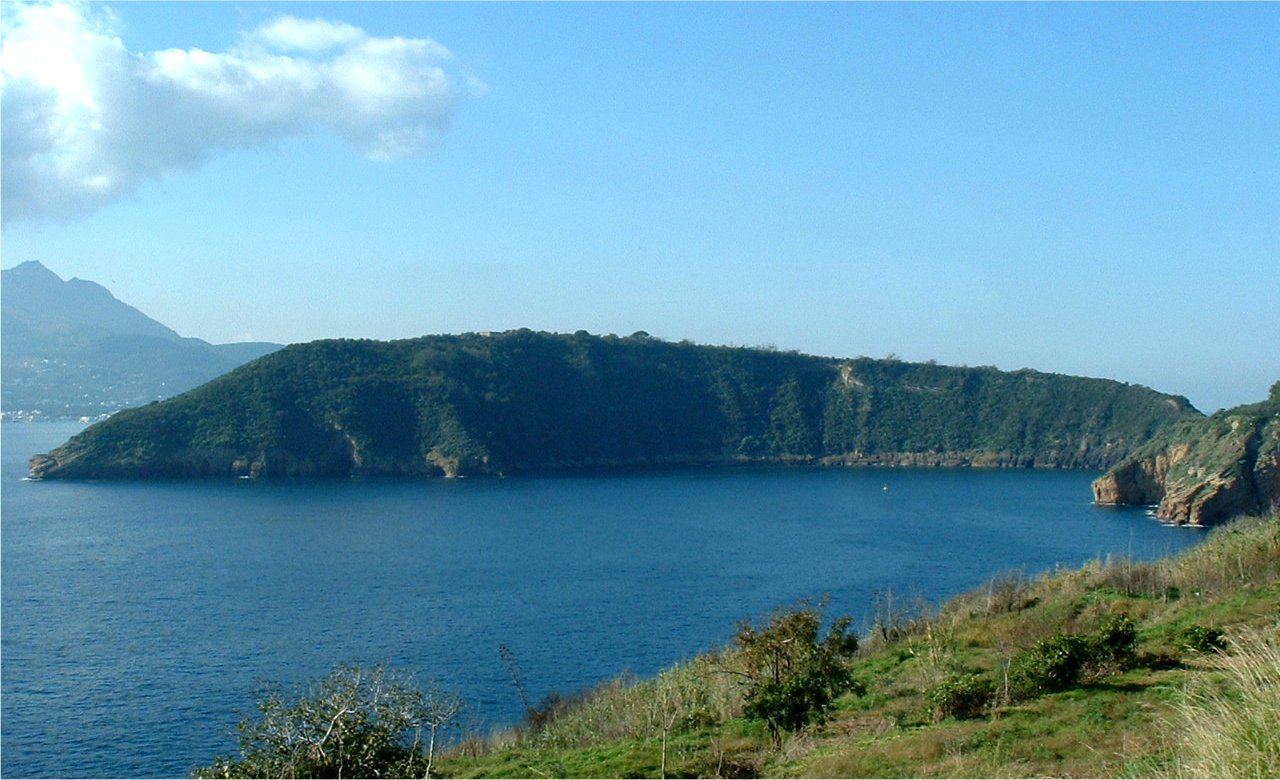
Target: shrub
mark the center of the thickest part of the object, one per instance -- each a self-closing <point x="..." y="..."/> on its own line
<point x="1008" y="592"/>
<point x="1202" y="639"/>
<point x="1052" y="665"/>
<point x="791" y="677"/>
<point x="1112" y="648"/>
<point x="1064" y="660"/>
<point x="961" y="696"/>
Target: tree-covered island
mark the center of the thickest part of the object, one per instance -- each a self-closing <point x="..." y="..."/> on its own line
<point x="521" y="401"/>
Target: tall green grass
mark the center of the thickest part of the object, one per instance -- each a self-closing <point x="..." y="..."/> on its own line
<point x="1230" y="726"/>
<point x="702" y="691"/>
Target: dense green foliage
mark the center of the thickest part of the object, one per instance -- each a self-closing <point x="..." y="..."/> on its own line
<point x="966" y="695"/>
<point x="1203" y="639"/>
<point x="1064" y="660"/>
<point x="791" y="673"/>
<point x="524" y="401"/>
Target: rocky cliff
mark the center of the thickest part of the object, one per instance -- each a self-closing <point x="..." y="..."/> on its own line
<point x="1206" y="470"/>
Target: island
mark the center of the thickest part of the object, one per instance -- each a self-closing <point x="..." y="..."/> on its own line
<point x="522" y="401"/>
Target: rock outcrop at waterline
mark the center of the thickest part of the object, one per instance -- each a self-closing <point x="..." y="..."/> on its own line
<point x="534" y="402"/>
<point x="1206" y="470"/>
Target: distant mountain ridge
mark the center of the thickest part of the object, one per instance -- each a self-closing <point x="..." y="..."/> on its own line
<point x="71" y="349"/>
<point x="533" y="402"/>
<point x="37" y="299"/>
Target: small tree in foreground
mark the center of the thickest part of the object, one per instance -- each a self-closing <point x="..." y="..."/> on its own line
<point x="354" y="723"/>
<point x="792" y="675"/>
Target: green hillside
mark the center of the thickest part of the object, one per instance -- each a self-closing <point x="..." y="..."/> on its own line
<point x="522" y="401"/>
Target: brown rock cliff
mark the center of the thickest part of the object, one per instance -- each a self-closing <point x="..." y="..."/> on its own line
<point x="1209" y="470"/>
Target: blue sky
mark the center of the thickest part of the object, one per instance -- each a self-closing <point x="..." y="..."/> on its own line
<point x="1081" y="188"/>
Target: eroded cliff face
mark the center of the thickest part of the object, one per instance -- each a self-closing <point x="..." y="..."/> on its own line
<point x="1139" y="480"/>
<point x="1209" y="471"/>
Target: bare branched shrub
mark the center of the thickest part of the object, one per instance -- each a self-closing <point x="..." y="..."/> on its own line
<point x="894" y="617"/>
<point x="356" y="722"/>
<point x="933" y="645"/>
<point x="1008" y="592"/>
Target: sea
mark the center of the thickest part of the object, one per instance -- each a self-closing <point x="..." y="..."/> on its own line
<point x="140" y="620"/>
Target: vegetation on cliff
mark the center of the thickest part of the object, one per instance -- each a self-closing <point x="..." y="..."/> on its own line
<point x="524" y="401"/>
<point x="1118" y="669"/>
<point x="1205" y="470"/>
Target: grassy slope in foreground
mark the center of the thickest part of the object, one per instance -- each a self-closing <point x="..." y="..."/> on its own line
<point x="1178" y="708"/>
<point x="523" y="401"/>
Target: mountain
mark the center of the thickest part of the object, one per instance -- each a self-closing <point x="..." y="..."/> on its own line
<point x="71" y="349"/>
<point x="1205" y="470"/>
<point x="523" y="402"/>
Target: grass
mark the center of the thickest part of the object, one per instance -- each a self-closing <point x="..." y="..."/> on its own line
<point x="1171" y="710"/>
<point x="1232" y="717"/>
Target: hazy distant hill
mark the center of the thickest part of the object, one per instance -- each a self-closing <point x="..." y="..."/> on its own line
<point x="522" y="401"/>
<point x="71" y="349"/>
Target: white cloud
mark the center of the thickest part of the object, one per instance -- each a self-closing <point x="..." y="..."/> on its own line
<point x="309" y="35"/>
<point x="86" y="121"/>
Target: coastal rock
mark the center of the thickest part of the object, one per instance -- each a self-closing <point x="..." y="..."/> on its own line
<point x="1209" y="471"/>
<point x="40" y="465"/>
<point x="1138" y="481"/>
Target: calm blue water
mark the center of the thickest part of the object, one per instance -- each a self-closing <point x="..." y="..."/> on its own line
<point x="138" y="618"/>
